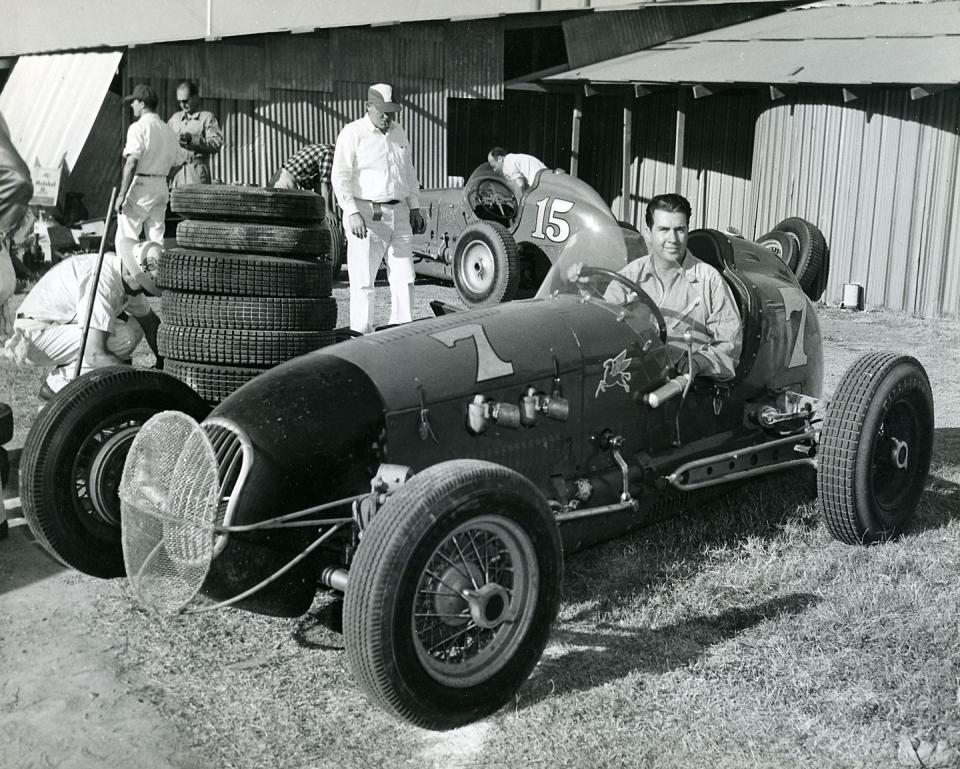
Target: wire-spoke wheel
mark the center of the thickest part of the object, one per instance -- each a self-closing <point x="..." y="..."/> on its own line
<point x="452" y="593"/>
<point x="475" y="601"/>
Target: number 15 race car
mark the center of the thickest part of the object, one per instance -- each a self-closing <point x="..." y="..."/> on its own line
<point x="495" y="247"/>
<point x="438" y="473"/>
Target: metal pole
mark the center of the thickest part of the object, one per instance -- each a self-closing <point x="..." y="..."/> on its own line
<point x="92" y="293"/>
<point x="575" y="138"/>
<point x="626" y="190"/>
<point x="682" y="105"/>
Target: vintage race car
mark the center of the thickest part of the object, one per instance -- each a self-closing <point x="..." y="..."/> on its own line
<point x="495" y="248"/>
<point x="438" y="473"/>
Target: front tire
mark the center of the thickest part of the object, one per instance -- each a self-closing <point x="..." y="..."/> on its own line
<point x="876" y="446"/>
<point x="73" y="459"/>
<point x="452" y="594"/>
<point x="486" y="265"/>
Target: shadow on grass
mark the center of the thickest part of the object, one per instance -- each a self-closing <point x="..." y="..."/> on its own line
<point x="940" y="503"/>
<point x="676" y="547"/>
<point x="611" y="653"/>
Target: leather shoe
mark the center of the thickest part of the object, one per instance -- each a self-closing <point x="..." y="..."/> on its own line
<point x="46" y="393"/>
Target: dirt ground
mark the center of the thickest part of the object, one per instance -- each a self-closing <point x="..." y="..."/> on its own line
<point x="68" y="700"/>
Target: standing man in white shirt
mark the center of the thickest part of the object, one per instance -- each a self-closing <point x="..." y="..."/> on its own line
<point x="377" y="188"/>
<point x="151" y="151"/>
<point x="518" y="169"/>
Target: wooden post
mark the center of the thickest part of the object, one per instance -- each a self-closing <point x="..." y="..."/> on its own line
<point x="627" y="188"/>
<point x="575" y="138"/>
<point x="683" y="101"/>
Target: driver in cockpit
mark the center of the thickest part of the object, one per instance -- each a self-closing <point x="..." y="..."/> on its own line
<point x="690" y="293"/>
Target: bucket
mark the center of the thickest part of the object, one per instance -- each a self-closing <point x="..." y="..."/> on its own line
<point x="852" y="296"/>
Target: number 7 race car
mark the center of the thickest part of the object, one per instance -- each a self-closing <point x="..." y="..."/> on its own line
<point x="438" y="473"/>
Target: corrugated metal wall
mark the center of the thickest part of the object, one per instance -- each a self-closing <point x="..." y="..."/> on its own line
<point x="717" y="155"/>
<point x="274" y="93"/>
<point x="878" y="175"/>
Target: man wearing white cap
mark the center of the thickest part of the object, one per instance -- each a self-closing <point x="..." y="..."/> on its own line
<point x="376" y="185"/>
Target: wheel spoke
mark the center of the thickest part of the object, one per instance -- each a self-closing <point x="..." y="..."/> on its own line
<point x="463" y="559"/>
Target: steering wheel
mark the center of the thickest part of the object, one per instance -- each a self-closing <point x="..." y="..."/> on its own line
<point x="642" y="296"/>
<point x="496" y="199"/>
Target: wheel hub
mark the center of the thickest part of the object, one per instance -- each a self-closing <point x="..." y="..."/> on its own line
<point x="489" y="606"/>
<point x="475" y="600"/>
<point x="451" y="602"/>
<point x="899" y="454"/>
<point x="477" y="270"/>
<point x="106" y="469"/>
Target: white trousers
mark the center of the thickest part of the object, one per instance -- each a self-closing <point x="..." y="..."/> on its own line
<point x="388" y="239"/>
<point x="8" y="285"/>
<point x="144" y="208"/>
<point x="57" y="346"/>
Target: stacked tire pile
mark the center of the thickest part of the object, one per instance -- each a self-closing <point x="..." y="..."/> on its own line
<point x="248" y="286"/>
<point x="804" y="250"/>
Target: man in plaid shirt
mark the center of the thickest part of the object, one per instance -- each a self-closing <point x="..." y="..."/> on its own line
<point x="309" y="169"/>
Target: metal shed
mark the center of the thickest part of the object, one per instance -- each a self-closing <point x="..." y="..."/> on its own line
<point x="825" y="112"/>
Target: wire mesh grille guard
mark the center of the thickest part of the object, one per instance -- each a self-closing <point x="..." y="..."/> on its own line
<point x="169" y="495"/>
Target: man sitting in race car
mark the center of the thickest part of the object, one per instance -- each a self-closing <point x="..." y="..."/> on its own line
<point x="690" y="293"/>
<point x="50" y="320"/>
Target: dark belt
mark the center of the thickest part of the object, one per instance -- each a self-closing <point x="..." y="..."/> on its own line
<point x="161" y="176"/>
<point x="385" y="202"/>
<point x="20" y="316"/>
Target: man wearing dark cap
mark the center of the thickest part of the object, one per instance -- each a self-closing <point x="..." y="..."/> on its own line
<point x="149" y="155"/>
<point x="376" y="186"/>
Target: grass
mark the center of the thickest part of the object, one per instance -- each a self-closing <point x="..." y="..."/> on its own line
<point x="737" y="635"/>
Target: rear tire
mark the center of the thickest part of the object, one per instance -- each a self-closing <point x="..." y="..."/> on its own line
<point x="876" y="446"/>
<point x="785" y="245"/>
<point x="73" y="459"/>
<point x="338" y="249"/>
<point x="813" y="250"/>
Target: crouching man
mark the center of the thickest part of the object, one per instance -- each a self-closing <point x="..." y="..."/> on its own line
<point x="49" y="324"/>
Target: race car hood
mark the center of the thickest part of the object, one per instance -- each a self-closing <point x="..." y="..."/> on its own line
<point x="335" y="414"/>
<point x="461" y="354"/>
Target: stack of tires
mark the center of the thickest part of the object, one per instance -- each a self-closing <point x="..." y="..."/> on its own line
<point x="804" y="250"/>
<point x="248" y="286"/>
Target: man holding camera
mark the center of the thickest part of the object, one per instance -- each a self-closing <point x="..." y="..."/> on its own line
<point x="199" y="133"/>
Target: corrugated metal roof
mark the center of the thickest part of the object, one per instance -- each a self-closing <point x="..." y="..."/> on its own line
<point x="917" y="43"/>
<point x="68" y="24"/>
<point x="51" y="101"/>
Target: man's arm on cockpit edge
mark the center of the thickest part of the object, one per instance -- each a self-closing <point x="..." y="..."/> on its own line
<point x="719" y="357"/>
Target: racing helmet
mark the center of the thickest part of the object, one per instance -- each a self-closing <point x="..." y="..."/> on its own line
<point x="144" y="265"/>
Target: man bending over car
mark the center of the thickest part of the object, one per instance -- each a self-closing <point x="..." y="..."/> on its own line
<point x="690" y="293"/>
